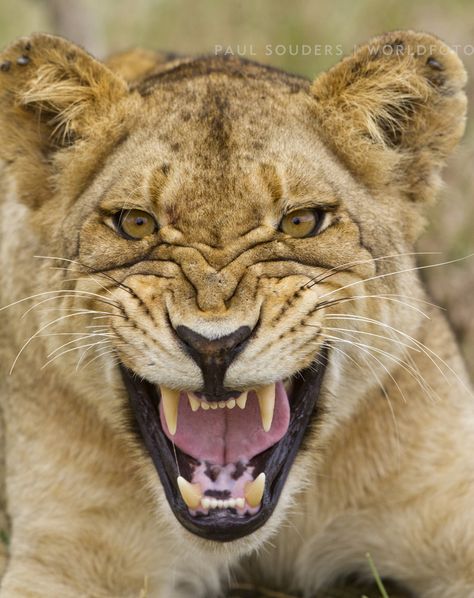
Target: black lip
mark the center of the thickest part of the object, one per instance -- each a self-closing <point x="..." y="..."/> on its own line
<point x="225" y="526"/>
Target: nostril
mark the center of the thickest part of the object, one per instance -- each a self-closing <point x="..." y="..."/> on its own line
<point x="213" y="356"/>
<point x="228" y="344"/>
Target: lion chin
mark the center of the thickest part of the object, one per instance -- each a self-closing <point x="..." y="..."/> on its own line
<point x="218" y="361"/>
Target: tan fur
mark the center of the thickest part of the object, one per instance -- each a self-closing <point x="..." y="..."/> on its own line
<point x="219" y="149"/>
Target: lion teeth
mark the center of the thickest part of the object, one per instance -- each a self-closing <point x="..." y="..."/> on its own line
<point x="170" y="399"/>
<point x="242" y="400"/>
<point x="191" y="493"/>
<point x="230" y="503"/>
<point x="266" y="401"/>
<point x="193" y="401"/>
<point x="254" y="490"/>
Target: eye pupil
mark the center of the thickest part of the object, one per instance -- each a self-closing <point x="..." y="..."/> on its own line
<point x="301" y="223"/>
<point x="135" y="224"/>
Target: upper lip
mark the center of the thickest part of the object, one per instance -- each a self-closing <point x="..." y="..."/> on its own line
<point x="275" y="461"/>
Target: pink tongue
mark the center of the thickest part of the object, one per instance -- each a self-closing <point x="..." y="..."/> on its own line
<point x="224" y="436"/>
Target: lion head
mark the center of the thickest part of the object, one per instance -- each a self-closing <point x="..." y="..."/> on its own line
<point x="222" y="240"/>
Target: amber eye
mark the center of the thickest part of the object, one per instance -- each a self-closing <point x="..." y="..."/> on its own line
<point x="135" y="224"/>
<point x="301" y="223"/>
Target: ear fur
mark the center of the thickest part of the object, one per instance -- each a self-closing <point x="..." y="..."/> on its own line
<point x="394" y="110"/>
<point x="53" y="95"/>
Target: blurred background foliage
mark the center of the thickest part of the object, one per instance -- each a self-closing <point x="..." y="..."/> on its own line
<point x="292" y="35"/>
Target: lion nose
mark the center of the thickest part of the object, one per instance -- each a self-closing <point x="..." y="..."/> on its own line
<point x="213" y="356"/>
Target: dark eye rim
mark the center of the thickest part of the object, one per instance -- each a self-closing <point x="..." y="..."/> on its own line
<point x="117" y="219"/>
<point x="320" y="217"/>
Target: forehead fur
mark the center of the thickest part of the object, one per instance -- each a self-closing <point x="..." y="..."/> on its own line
<point x="203" y="151"/>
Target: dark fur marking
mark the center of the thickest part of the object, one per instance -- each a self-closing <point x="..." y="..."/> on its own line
<point x="231" y="66"/>
<point x="434" y="64"/>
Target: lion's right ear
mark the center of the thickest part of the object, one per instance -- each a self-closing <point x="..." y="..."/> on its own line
<point x="52" y="95"/>
<point x="393" y="111"/>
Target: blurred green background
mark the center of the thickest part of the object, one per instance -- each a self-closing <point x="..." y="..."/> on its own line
<point x="292" y="35"/>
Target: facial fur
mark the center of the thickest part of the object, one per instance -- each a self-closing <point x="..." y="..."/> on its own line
<point x="217" y="151"/>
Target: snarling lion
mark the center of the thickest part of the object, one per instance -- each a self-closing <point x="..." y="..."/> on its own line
<point x="218" y="362"/>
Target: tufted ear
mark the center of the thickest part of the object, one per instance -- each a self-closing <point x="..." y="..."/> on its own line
<point x="53" y="95"/>
<point x="394" y="110"/>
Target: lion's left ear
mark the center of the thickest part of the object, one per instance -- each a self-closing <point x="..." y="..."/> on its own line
<point x="394" y="110"/>
<point x="53" y="95"/>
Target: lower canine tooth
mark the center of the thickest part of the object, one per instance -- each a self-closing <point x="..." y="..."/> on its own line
<point x="242" y="400"/>
<point x="170" y="400"/>
<point x="191" y="493"/>
<point x="254" y="491"/>
<point x="266" y="401"/>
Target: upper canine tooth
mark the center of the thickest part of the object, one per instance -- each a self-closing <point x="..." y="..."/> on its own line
<point x="194" y="402"/>
<point x="254" y="490"/>
<point x="266" y="401"/>
<point x="170" y="400"/>
<point x="191" y="493"/>
<point x="242" y="400"/>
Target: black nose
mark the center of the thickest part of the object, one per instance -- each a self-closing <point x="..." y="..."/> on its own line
<point x="214" y="356"/>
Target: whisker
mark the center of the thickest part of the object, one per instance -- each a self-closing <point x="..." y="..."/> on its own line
<point x="95" y="272"/>
<point x="45" y="326"/>
<point x="72" y="294"/>
<point x="354" y="333"/>
<point x="415" y="374"/>
<point x="429" y="353"/>
<point x="84" y="354"/>
<point x="376" y="296"/>
<point x="353" y="330"/>
<point x="82" y="279"/>
<point x="73" y="349"/>
<point x="75" y="340"/>
<point x="57" y="292"/>
<point x="387" y="274"/>
<point x="336" y="269"/>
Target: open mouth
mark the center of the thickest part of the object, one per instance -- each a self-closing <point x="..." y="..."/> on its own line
<point x="223" y="464"/>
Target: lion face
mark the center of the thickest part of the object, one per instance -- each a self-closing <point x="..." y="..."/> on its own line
<point x="233" y="240"/>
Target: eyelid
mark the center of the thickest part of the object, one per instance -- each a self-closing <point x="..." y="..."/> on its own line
<point x="312" y="205"/>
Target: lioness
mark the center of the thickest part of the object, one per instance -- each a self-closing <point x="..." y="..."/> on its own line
<point x="218" y="361"/>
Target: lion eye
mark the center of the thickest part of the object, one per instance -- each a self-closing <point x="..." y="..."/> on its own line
<point x="135" y="224"/>
<point x="301" y="223"/>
